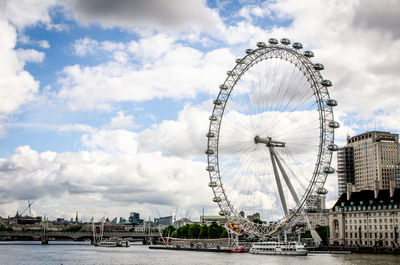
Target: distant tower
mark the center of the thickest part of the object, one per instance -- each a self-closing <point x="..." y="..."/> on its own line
<point x="76" y="217"/>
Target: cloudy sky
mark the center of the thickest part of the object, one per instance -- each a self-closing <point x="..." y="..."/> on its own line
<point x="105" y="104"/>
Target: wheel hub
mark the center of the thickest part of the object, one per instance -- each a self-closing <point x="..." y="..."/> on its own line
<point x="268" y="142"/>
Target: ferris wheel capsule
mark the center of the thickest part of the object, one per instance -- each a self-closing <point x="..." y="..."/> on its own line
<point x="261" y="44"/>
<point x="297" y="45"/>
<point x="223" y="87"/>
<point x="213" y="118"/>
<point x="334" y="124"/>
<point x="209" y="152"/>
<point x="331" y="102"/>
<point x="326" y="83"/>
<point x="210" y="168"/>
<point x="222" y="213"/>
<point x="216" y="199"/>
<point x="212" y="184"/>
<point x="318" y="66"/>
<point x="210" y="135"/>
<point x="217" y="102"/>
<point x="333" y="147"/>
<point x="285" y="41"/>
<point x="273" y="41"/>
<point x="329" y="170"/>
<point x="239" y="61"/>
<point x="308" y="54"/>
<point x="322" y="191"/>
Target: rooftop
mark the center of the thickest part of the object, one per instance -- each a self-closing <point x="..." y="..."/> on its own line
<point x="367" y="198"/>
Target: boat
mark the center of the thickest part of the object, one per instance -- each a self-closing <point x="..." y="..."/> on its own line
<point x="239" y="249"/>
<point x="113" y="242"/>
<point x="279" y="248"/>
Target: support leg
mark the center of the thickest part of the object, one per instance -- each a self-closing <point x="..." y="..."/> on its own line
<point x="278" y="182"/>
<point x="285" y="177"/>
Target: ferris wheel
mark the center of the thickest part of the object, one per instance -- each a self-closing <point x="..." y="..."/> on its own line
<point x="271" y="138"/>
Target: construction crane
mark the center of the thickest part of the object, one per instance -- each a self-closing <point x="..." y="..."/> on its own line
<point x="29" y="207"/>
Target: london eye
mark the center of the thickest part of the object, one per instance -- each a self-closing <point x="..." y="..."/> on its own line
<point x="271" y="137"/>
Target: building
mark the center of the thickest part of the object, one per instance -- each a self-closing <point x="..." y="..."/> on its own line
<point x="182" y="222"/>
<point x="367" y="217"/>
<point x="254" y="216"/>
<point x="213" y="218"/>
<point x="318" y="218"/>
<point x="134" y="219"/>
<point x="397" y="175"/>
<point x="317" y="213"/>
<point x="374" y="156"/>
<point x="345" y="169"/>
<point x="166" y="220"/>
<point x="122" y="221"/>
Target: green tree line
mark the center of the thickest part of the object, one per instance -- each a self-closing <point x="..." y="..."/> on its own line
<point x="213" y="230"/>
<point x="4" y="228"/>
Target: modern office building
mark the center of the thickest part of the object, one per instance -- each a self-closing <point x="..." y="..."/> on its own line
<point x="134" y="219"/>
<point x="367" y="217"/>
<point x="345" y="168"/>
<point x="397" y="175"/>
<point x="373" y="155"/>
<point x="166" y="220"/>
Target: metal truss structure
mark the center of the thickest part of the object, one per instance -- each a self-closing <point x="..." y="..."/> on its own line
<point x="323" y="106"/>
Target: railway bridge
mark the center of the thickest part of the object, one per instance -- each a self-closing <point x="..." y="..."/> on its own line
<point x="80" y="235"/>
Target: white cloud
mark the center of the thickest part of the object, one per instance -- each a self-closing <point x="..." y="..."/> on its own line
<point x="24" y="39"/>
<point x="250" y="11"/>
<point x="184" y="137"/>
<point x="352" y="53"/>
<point x="85" y="46"/>
<point x="17" y="86"/>
<point x="30" y="55"/>
<point x="122" y="121"/>
<point x="44" y="44"/>
<point x="75" y="127"/>
<point x="26" y="12"/>
<point x="111" y="171"/>
<point x="181" y="72"/>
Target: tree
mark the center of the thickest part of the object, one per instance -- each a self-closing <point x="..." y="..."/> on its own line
<point x="174" y="234"/>
<point x="306" y="234"/>
<point x="194" y="231"/>
<point x="168" y="231"/>
<point x="183" y="231"/>
<point x="214" y="230"/>
<point x="203" y="231"/>
<point x="323" y="232"/>
<point x="257" y="221"/>
<point x="224" y="233"/>
<point x="4" y="228"/>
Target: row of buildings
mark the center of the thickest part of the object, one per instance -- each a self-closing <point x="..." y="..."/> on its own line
<point x="367" y="212"/>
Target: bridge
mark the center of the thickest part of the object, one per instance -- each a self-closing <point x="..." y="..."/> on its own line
<point x="80" y="235"/>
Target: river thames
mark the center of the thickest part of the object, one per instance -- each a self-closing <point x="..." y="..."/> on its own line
<point x="64" y="253"/>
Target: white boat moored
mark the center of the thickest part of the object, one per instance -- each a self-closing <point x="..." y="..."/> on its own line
<point x="279" y="248"/>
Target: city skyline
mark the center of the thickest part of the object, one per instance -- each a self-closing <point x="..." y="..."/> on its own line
<point x="104" y="108"/>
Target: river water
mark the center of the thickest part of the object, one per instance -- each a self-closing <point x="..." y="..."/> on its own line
<point x="71" y="253"/>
